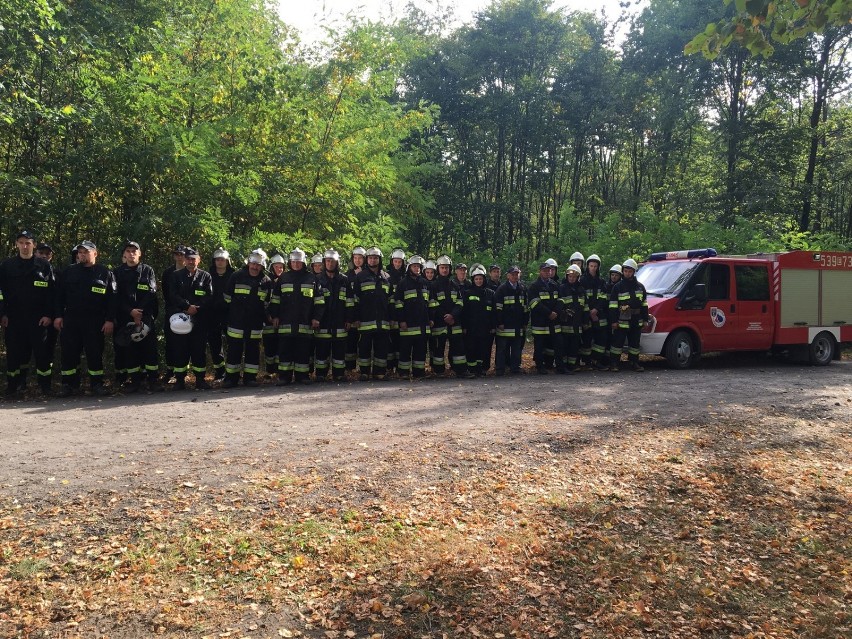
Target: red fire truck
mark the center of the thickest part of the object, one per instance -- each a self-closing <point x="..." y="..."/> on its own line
<point x="701" y="302"/>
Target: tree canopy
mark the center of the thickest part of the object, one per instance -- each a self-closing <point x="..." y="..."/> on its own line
<point x="528" y="131"/>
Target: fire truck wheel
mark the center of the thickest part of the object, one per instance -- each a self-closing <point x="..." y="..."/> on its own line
<point x="821" y="350"/>
<point x="680" y="351"/>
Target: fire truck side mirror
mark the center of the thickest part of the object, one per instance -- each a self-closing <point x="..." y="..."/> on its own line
<point x="699" y="292"/>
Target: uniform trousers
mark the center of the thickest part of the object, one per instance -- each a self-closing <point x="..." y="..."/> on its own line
<point x="294" y="354"/>
<point x="412" y="354"/>
<point x="330" y="351"/>
<point x="373" y="352"/>
<point x="80" y="335"/>
<point x="25" y="339"/>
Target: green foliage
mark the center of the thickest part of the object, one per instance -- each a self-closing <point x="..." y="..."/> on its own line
<point x="757" y="22"/>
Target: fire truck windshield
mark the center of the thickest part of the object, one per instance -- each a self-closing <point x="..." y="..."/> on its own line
<point x="665" y="278"/>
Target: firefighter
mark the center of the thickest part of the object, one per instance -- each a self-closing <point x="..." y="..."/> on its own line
<point x="578" y="260"/>
<point x="85" y="314"/>
<point x="270" y="334"/>
<point x="396" y="272"/>
<point x="27" y="290"/>
<point x="300" y="305"/>
<point x="478" y="322"/>
<point x="511" y="318"/>
<point x="316" y="266"/>
<point x="544" y="306"/>
<point x="628" y="308"/>
<point x="221" y="271"/>
<point x="596" y="335"/>
<point x="44" y="251"/>
<point x="333" y="332"/>
<point x="358" y="262"/>
<point x="412" y="309"/>
<point x="460" y="280"/>
<point x="372" y="292"/>
<point x="430" y="270"/>
<point x="190" y="292"/>
<point x="135" y="341"/>
<point x="613" y="279"/>
<point x="166" y="280"/>
<point x="247" y="295"/>
<point x="572" y="317"/>
<point x="494" y="277"/>
<point x="446" y="305"/>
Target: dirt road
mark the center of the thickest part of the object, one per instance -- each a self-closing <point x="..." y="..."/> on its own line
<point x="60" y="448"/>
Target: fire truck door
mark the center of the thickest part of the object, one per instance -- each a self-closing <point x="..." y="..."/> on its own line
<point x="753" y="316"/>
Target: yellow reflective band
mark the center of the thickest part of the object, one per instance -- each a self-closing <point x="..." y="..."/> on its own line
<point x="143" y="287"/>
<point x="201" y="292"/>
<point x="39" y="283"/>
<point x="98" y="289"/>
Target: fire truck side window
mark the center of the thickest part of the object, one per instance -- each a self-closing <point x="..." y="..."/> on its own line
<point x="752" y="283"/>
<point x="717" y="279"/>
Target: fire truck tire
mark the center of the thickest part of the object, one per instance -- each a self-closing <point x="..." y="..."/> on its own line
<point x="821" y="350"/>
<point x="680" y="351"/>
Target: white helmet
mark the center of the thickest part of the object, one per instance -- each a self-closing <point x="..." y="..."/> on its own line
<point x="257" y="256"/>
<point x="180" y="323"/>
<point x="573" y="269"/>
<point x="478" y="269"/>
<point x="277" y="259"/>
<point x="444" y="260"/>
<point x="416" y="259"/>
<point x="298" y="255"/>
<point x="221" y="252"/>
<point x="331" y="254"/>
<point x="359" y="250"/>
<point x="374" y="250"/>
<point x="316" y="258"/>
<point x="551" y="262"/>
<point x="594" y="258"/>
<point x="398" y="254"/>
<point x="616" y="268"/>
<point x="430" y="264"/>
<point x="629" y="263"/>
<point x="576" y="255"/>
<point x="139" y="332"/>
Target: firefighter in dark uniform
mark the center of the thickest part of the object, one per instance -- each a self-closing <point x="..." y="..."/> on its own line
<point x="494" y="277"/>
<point x="544" y="308"/>
<point x="217" y="321"/>
<point x="628" y="309"/>
<point x="460" y="280"/>
<point x="85" y="314"/>
<point x="358" y="261"/>
<point x="270" y="334"/>
<point x="166" y="280"/>
<point x="446" y="305"/>
<point x="300" y="304"/>
<point x="478" y="322"/>
<point x="136" y="309"/>
<point x="430" y="271"/>
<point x="572" y="316"/>
<point x="191" y="292"/>
<point x="332" y="335"/>
<point x="247" y="296"/>
<point x="396" y="272"/>
<point x="511" y="318"/>
<point x="411" y="298"/>
<point x="27" y="289"/>
<point x="613" y="279"/>
<point x="372" y="294"/>
<point x="596" y="335"/>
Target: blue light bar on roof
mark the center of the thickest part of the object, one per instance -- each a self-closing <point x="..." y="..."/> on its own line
<point x="683" y="255"/>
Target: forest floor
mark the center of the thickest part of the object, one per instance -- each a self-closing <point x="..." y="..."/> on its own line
<point x="714" y="502"/>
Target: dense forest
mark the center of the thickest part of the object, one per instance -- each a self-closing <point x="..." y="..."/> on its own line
<point x="529" y="131"/>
